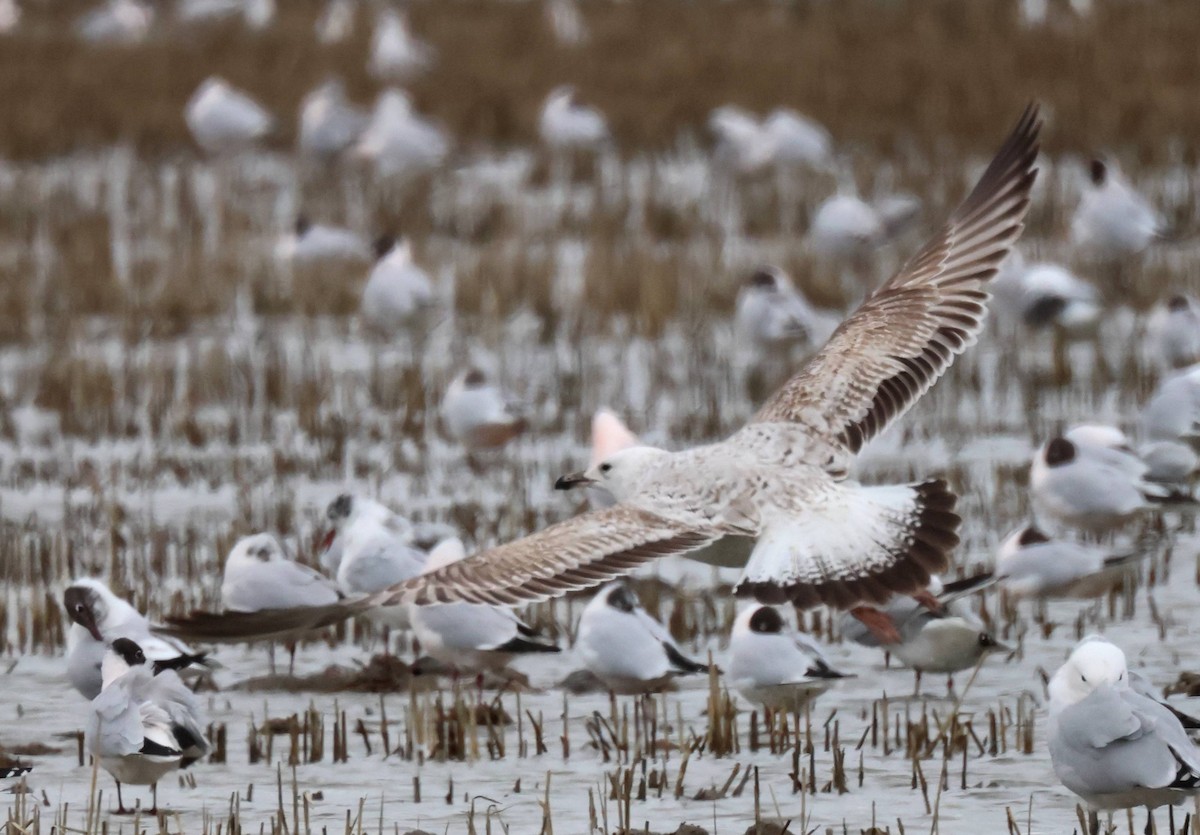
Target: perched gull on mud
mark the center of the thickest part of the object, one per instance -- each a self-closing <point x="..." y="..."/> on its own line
<point x="774" y="665"/>
<point x="98" y="618"/>
<point x="1109" y="744"/>
<point x="783" y="479"/>
<point x="143" y="725"/>
<point x="627" y="649"/>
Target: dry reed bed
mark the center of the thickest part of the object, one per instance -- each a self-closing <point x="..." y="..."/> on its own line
<point x="878" y="74"/>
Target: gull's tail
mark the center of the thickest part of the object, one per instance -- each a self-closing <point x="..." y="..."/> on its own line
<point x="855" y="545"/>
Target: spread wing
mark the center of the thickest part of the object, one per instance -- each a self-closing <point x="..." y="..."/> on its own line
<point x="905" y="335"/>
<point x="579" y="553"/>
<point x="270" y="624"/>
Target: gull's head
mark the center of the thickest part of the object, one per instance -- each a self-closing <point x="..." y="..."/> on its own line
<point x="1058" y="452"/>
<point x="86" y="602"/>
<point x="340" y="509"/>
<point x="259" y="547"/>
<point x="761" y="620"/>
<point x="621" y="473"/>
<point x="122" y="656"/>
<point x="1098" y="172"/>
<point x="1094" y="663"/>
<point x="620" y="596"/>
<point x="767" y="280"/>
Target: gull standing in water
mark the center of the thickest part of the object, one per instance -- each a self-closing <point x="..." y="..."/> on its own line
<point x="774" y="665"/>
<point x="98" y="618"/>
<point x="784" y="478"/>
<point x="627" y="649"/>
<point x="1111" y="745"/>
<point x="946" y="639"/>
<point x="143" y="725"/>
<point x="468" y="636"/>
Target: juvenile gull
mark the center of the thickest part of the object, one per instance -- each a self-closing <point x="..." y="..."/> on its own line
<point x="627" y="649"/>
<point x="784" y="477"/>
<point x="1111" y="745"/>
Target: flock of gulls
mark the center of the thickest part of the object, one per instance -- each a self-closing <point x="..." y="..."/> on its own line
<point x="776" y="499"/>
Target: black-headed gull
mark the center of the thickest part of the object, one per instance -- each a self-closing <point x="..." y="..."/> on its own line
<point x="335" y="22"/>
<point x="1112" y="219"/>
<point x="142" y="726"/>
<point x="629" y="651"/>
<point x="374" y="551"/>
<point x="1111" y="745"/>
<point x="471" y="637"/>
<point x="98" y="618"/>
<point x="318" y="243"/>
<point x="770" y="312"/>
<point x="478" y="414"/>
<point x="398" y="295"/>
<point x="1030" y="563"/>
<point x="946" y="640"/>
<point x="773" y="665"/>
<point x="1090" y="488"/>
<point x="223" y="119"/>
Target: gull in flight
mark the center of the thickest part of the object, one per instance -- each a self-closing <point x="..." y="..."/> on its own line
<point x="783" y="479"/>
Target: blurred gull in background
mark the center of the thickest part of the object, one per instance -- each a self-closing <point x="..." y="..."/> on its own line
<point x="329" y="123"/>
<point x="1113" y="220"/>
<point x="223" y="119"/>
<point x="115" y="22"/>
<point x="398" y="295"/>
<point x="567" y="125"/>
<point x="398" y="140"/>
<point x="317" y="243"/>
<point x="478" y="414"/>
<point x="396" y="53"/>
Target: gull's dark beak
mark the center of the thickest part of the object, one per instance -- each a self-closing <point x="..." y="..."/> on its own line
<point x="573" y="480"/>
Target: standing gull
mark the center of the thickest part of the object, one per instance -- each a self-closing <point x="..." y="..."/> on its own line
<point x="627" y="649"/>
<point x="1110" y="745"/>
<point x="98" y="618"/>
<point x="774" y="665"/>
<point x="143" y="725"/>
<point x="783" y="478"/>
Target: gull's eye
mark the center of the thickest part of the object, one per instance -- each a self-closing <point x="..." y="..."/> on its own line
<point x="606" y="468"/>
<point x="78" y="607"/>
